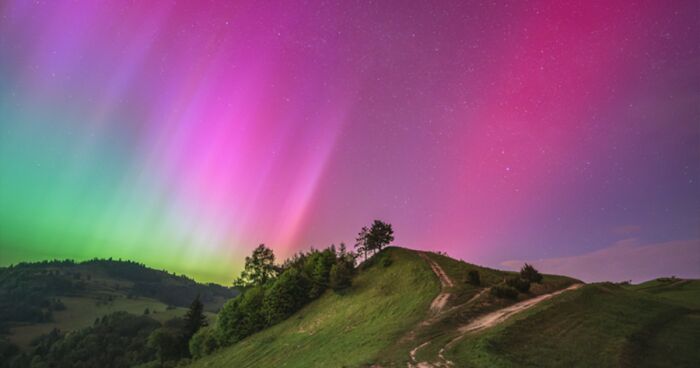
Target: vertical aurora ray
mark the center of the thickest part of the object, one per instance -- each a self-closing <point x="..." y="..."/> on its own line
<point x="183" y="134"/>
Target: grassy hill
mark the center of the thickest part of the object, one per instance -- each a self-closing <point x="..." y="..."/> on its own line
<point x="352" y="329"/>
<point x="377" y="322"/>
<point x="655" y="324"/>
<point x="35" y="298"/>
<point x="405" y="308"/>
<point x="387" y="320"/>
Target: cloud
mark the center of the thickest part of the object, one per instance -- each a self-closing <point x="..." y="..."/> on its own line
<point x="625" y="260"/>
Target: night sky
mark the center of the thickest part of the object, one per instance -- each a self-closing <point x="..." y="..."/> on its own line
<point x="182" y="134"/>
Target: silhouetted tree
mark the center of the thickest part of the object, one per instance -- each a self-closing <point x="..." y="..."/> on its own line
<point x="362" y="241"/>
<point x="380" y="235"/>
<point x="259" y="268"/>
<point x="373" y="239"/>
<point x="194" y="319"/>
<point x="530" y="273"/>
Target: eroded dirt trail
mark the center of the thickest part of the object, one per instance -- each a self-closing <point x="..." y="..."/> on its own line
<point x="501" y="315"/>
<point x="496" y="317"/>
<point x="441" y="300"/>
<point x="486" y="321"/>
<point x="436" y="307"/>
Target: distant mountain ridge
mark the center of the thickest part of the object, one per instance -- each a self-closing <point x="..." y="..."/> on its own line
<point x="49" y="291"/>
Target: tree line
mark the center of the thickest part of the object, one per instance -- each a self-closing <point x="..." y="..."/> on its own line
<point x="270" y="293"/>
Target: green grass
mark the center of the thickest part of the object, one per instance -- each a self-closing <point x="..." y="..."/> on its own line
<point x="351" y="330"/>
<point x="600" y="325"/>
<point x="460" y="313"/>
<point x="82" y="311"/>
<point x="655" y="324"/>
<point x="683" y="292"/>
<point x="377" y="322"/>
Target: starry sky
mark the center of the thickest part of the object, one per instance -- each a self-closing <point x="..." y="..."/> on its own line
<point x="182" y="134"/>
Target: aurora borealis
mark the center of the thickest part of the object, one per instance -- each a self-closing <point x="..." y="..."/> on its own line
<point x="182" y="134"/>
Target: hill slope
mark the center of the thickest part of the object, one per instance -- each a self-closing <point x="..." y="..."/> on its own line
<point x="37" y="297"/>
<point x="599" y="325"/>
<point x="416" y="299"/>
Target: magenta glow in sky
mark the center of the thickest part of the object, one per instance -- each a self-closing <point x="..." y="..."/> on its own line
<point x="182" y="134"/>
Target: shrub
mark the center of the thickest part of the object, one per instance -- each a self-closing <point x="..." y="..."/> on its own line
<point x="386" y="260"/>
<point x="519" y="284"/>
<point x="474" y="278"/>
<point x="203" y="343"/>
<point x="341" y="276"/>
<point x="504" y="292"/>
<point x="530" y="273"/>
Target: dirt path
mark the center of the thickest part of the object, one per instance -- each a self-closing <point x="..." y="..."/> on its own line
<point x="496" y="317"/>
<point x="436" y="307"/>
<point x="501" y="315"/>
<point x="484" y="322"/>
<point x="441" y="300"/>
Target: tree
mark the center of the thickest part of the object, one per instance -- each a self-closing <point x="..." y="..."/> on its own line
<point x="241" y="316"/>
<point x="318" y="268"/>
<point x="259" y="268"/>
<point x="341" y="276"/>
<point x="530" y="273"/>
<point x="380" y="235"/>
<point x="194" y="319"/>
<point x="167" y="342"/>
<point x="362" y="241"/>
<point x="286" y="295"/>
<point x="373" y="239"/>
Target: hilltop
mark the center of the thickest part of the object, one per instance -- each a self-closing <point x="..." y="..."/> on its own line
<point x="392" y="309"/>
<point x="420" y="309"/>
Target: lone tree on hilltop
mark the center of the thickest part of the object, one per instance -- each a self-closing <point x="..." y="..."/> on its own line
<point x="530" y="273"/>
<point x="380" y="235"/>
<point x="373" y="239"/>
<point x="259" y="268"/>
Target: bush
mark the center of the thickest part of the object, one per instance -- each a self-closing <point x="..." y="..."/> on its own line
<point x="287" y="294"/>
<point x="530" y="273"/>
<point x="203" y="343"/>
<point x="474" y="278"/>
<point x="519" y="284"/>
<point x="242" y="316"/>
<point x="386" y="260"/>
<point x="504" y="292"/>
<point x="341" y="276"/>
